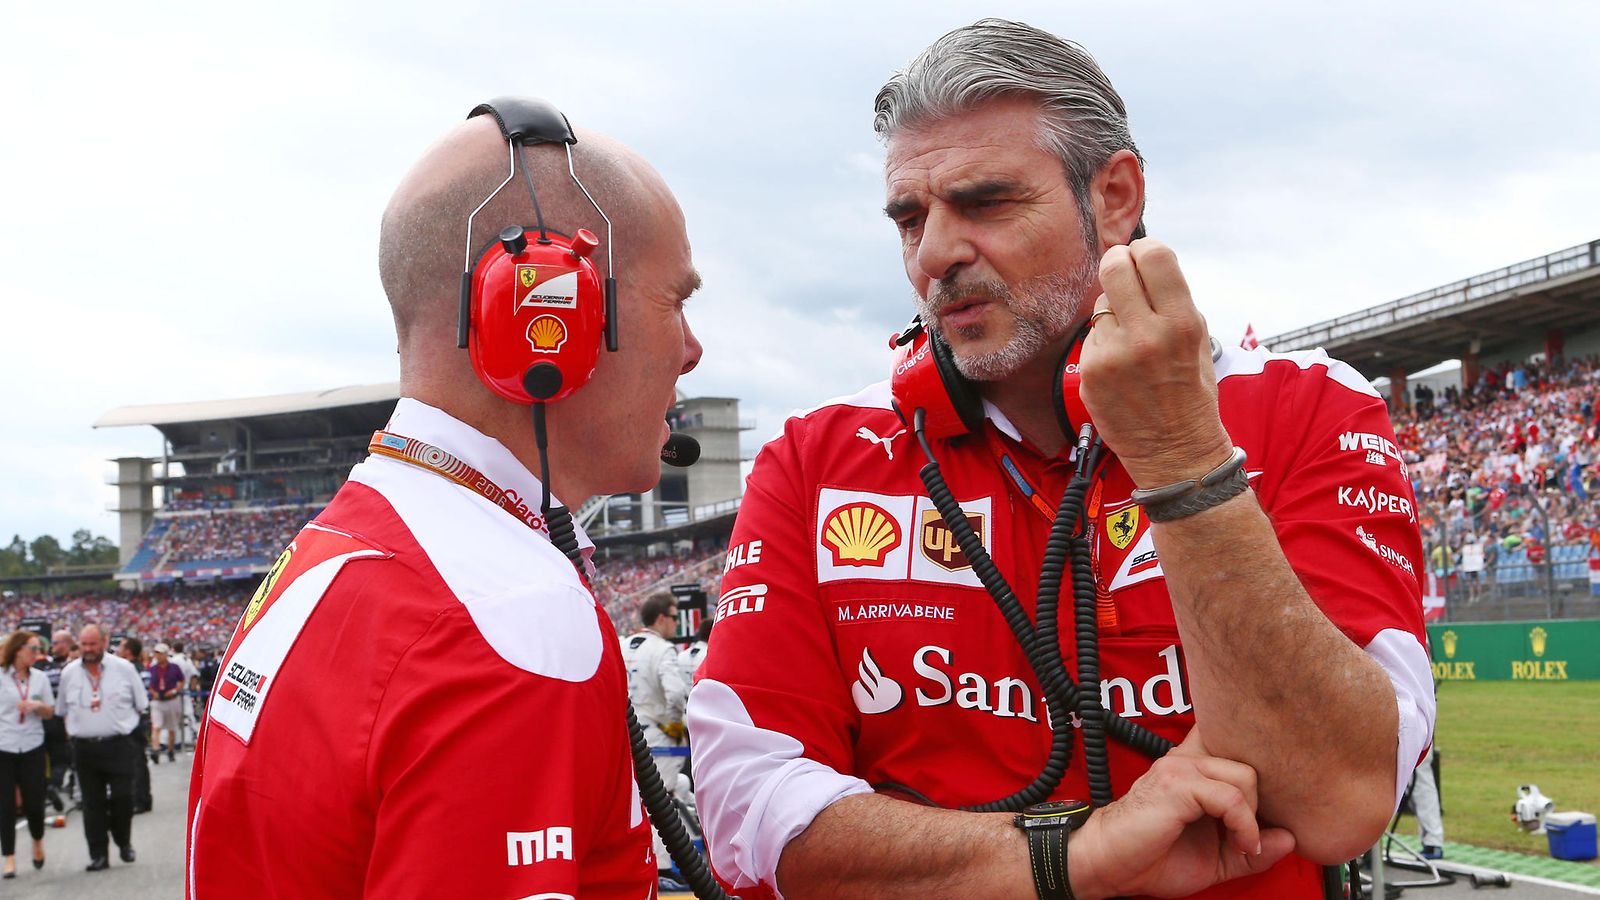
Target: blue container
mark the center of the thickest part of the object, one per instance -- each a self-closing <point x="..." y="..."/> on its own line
<point x="1572" y="835"/>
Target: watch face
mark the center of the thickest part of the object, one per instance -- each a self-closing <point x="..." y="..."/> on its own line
<point x="1071" y="813"/>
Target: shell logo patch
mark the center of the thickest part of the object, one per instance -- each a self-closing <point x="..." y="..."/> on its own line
<point x="1122" y="526"/>
<point x="861" y="534"/>
<point x="939" y="544"/>
<point x="546" y="334"/>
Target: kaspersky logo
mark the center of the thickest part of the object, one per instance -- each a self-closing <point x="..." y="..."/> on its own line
<point x="873" y="691"/>
<point x="861" y="534"/>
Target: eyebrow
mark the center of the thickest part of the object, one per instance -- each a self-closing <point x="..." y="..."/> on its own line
<point x="689" y="285"/>
<point x="960" y="195"/>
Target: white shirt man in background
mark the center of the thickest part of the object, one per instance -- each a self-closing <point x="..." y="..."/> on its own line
<point x="102" y="697"/>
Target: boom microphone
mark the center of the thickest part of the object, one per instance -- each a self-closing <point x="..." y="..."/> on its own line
<point x="680" y="450"/>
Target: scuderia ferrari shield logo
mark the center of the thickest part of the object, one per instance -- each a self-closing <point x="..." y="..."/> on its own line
<point x="1122" y="526"/>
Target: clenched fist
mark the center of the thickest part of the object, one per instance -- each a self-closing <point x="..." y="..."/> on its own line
<point x="1147" y="376"/>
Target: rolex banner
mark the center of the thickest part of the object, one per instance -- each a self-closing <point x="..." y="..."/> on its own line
<point x="1560" y="650"/>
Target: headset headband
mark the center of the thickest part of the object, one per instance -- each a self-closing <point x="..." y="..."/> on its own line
<point x="527" y="121"/>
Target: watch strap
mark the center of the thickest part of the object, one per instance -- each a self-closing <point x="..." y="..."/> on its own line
<point x="1047" y="857"/>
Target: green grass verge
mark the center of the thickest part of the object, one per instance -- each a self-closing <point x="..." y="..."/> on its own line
<point x="1495" y="735"/>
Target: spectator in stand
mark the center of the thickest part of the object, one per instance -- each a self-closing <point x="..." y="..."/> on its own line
<point x="1512" y="459"/>
<point x="25" y="702"/>
<point x="166" y="705"/>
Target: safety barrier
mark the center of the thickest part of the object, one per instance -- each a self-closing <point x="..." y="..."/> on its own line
<point x="1549" y="650"/>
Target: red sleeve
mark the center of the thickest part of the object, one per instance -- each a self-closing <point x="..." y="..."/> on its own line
<point x="1340" y="498"/>
<point x="1341" y="501"/>
<point x="495" y="782"/>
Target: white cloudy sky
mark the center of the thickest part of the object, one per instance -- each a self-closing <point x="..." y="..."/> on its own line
<point x="189" y="192"/>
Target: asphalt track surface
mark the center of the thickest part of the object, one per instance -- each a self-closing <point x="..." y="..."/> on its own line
<point x="157" y="838"/>
<point x="159" y="870"/>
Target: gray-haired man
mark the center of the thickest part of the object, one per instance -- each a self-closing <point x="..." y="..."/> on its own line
<point x="1229" y="589"/>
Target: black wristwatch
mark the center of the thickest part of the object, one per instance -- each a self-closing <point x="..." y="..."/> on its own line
<point x="1047" y="826"/>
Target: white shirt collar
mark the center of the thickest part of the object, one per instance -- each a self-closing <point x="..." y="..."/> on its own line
<point x="1005" y="427"/>
<point x="414" y="419"/>
<point x="1000" y="421"/>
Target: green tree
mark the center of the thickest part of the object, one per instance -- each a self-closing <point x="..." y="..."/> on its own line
<point x="14" y="557"/>
<point x="91" y="549"/>
<point x="44" y="552"/>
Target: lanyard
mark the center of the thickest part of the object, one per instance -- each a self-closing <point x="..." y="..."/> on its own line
<point x="441" y="462"/>
<point x="22" y="694"/>
<point x="94" y="687"/>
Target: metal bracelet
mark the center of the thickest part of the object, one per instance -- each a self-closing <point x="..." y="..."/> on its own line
<point x="1183" y="498"/>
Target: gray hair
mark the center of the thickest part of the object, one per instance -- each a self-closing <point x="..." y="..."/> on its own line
<point x="1082" y="119"/>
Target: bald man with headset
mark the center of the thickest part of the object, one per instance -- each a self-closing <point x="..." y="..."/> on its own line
<point x="345" y="754"/>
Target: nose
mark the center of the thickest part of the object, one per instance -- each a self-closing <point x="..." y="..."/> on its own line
<point x="691" y="349"/>
<point x="945" y="246"/>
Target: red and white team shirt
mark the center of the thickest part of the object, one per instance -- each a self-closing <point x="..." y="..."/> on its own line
<point x="422" y="700"/>
<point x="855" y="648"/>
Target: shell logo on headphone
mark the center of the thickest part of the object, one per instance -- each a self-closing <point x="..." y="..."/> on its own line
<point x="546" y="334"/>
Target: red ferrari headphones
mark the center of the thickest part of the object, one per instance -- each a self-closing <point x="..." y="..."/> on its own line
<point x="926" y="378"/>
<point x="533" y="307"/>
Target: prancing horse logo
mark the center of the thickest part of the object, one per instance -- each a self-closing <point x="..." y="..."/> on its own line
<point x="866" y="434"/>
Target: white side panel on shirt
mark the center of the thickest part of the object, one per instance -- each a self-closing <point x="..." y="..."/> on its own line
<point x="520" y="591"/>
<point x="264" y="648"/>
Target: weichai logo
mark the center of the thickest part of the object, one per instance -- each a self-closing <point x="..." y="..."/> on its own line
<point x="860" y="534"/>
<point x="939" y="543"/>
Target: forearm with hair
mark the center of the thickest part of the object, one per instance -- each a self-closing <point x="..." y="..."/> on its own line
<point x="873" y="846"/>
<point x="1276" y="685"/>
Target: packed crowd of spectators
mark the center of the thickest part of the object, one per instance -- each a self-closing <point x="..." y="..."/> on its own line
<point x="621" y="583"/>
<point x="1511" y="467"/>
<point x="202" y="615"/>
<point x="198" y="615"/>
<point x="250" y="533"/>
<point x="199" y="501"/>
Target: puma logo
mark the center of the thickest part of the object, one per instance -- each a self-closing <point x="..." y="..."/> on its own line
<point x="866" y="434"/>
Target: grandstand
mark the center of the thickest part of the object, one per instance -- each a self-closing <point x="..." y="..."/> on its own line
<point x="235" y="479"/>
<point x="1502" y="431"/>
<point x="1547" y="305"/>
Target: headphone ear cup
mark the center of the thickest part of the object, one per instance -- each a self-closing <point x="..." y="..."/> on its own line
<point x="964" y="395"/>
<point x="925" y="378"/>
<point x="537" y="314"/>
<point x="1058" y="392"/>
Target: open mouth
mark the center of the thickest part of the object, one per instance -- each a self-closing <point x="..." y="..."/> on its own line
<point x="964" y="312"/>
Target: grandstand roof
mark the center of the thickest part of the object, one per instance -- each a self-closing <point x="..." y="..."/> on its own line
<point x="249" y="407"/>
<point x="1497" y="310"/>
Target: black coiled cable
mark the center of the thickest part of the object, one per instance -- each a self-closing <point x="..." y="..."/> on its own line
<point x="657" y="801"/>
<point x="1097" y="764"/>
<point x="1040" y="643"/>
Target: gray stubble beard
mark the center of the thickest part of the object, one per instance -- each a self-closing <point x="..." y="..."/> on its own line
<point x="1043" y="309"/>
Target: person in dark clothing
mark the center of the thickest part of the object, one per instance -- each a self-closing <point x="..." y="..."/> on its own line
<point x="132" y="650"/>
